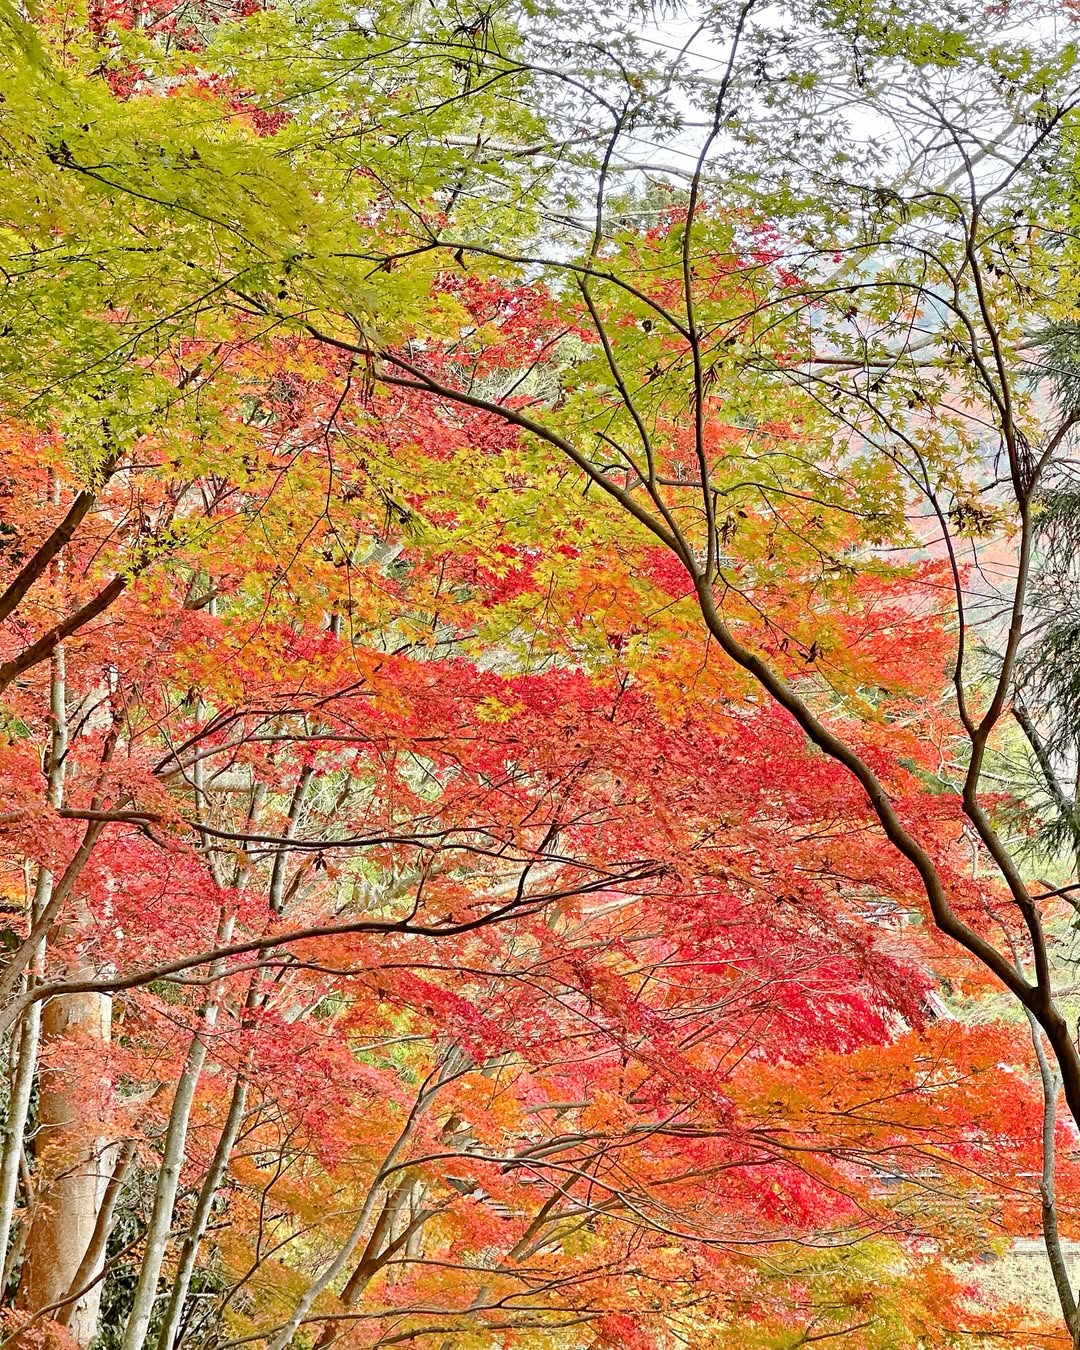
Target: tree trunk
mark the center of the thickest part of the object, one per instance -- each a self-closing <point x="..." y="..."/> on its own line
<point x="74" y="1157"/>
<point x="29" y="1031"/>
<point x="219" y="1165"/>
<point x="93" y="1262"/>
<point x="74" y="1163"/>
<point x="160" y="1225"/>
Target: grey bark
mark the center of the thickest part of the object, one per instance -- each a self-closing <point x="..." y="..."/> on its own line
<point x="168" y="1178"/>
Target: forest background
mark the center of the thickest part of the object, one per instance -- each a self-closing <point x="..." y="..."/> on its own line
<point x="539" y="701"/>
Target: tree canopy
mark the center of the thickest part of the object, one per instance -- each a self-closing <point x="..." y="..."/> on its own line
<point x="538" y="701"/>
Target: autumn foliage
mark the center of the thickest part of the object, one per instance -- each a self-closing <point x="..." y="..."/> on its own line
<point x="417" y="930"/>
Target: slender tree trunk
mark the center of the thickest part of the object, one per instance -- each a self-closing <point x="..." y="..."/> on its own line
<point x="371" y="1262"/>
<point x="256" y="998"/>
<point x="277" y="876"/>
<point x="195" y="1234"/>
<point x="160" y="1226"/>
<point x="18" y="1109"/>
<point x="30" y="1026"/>
<point x="189" y="1251"/>
<point x="330" y="1273"/>
<point x="1047" y="1188"/>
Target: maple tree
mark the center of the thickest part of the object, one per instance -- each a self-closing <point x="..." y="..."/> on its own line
<point x="402" y="849"/>
<point x="421" y="931"/>
<point x="916" y="348"/>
